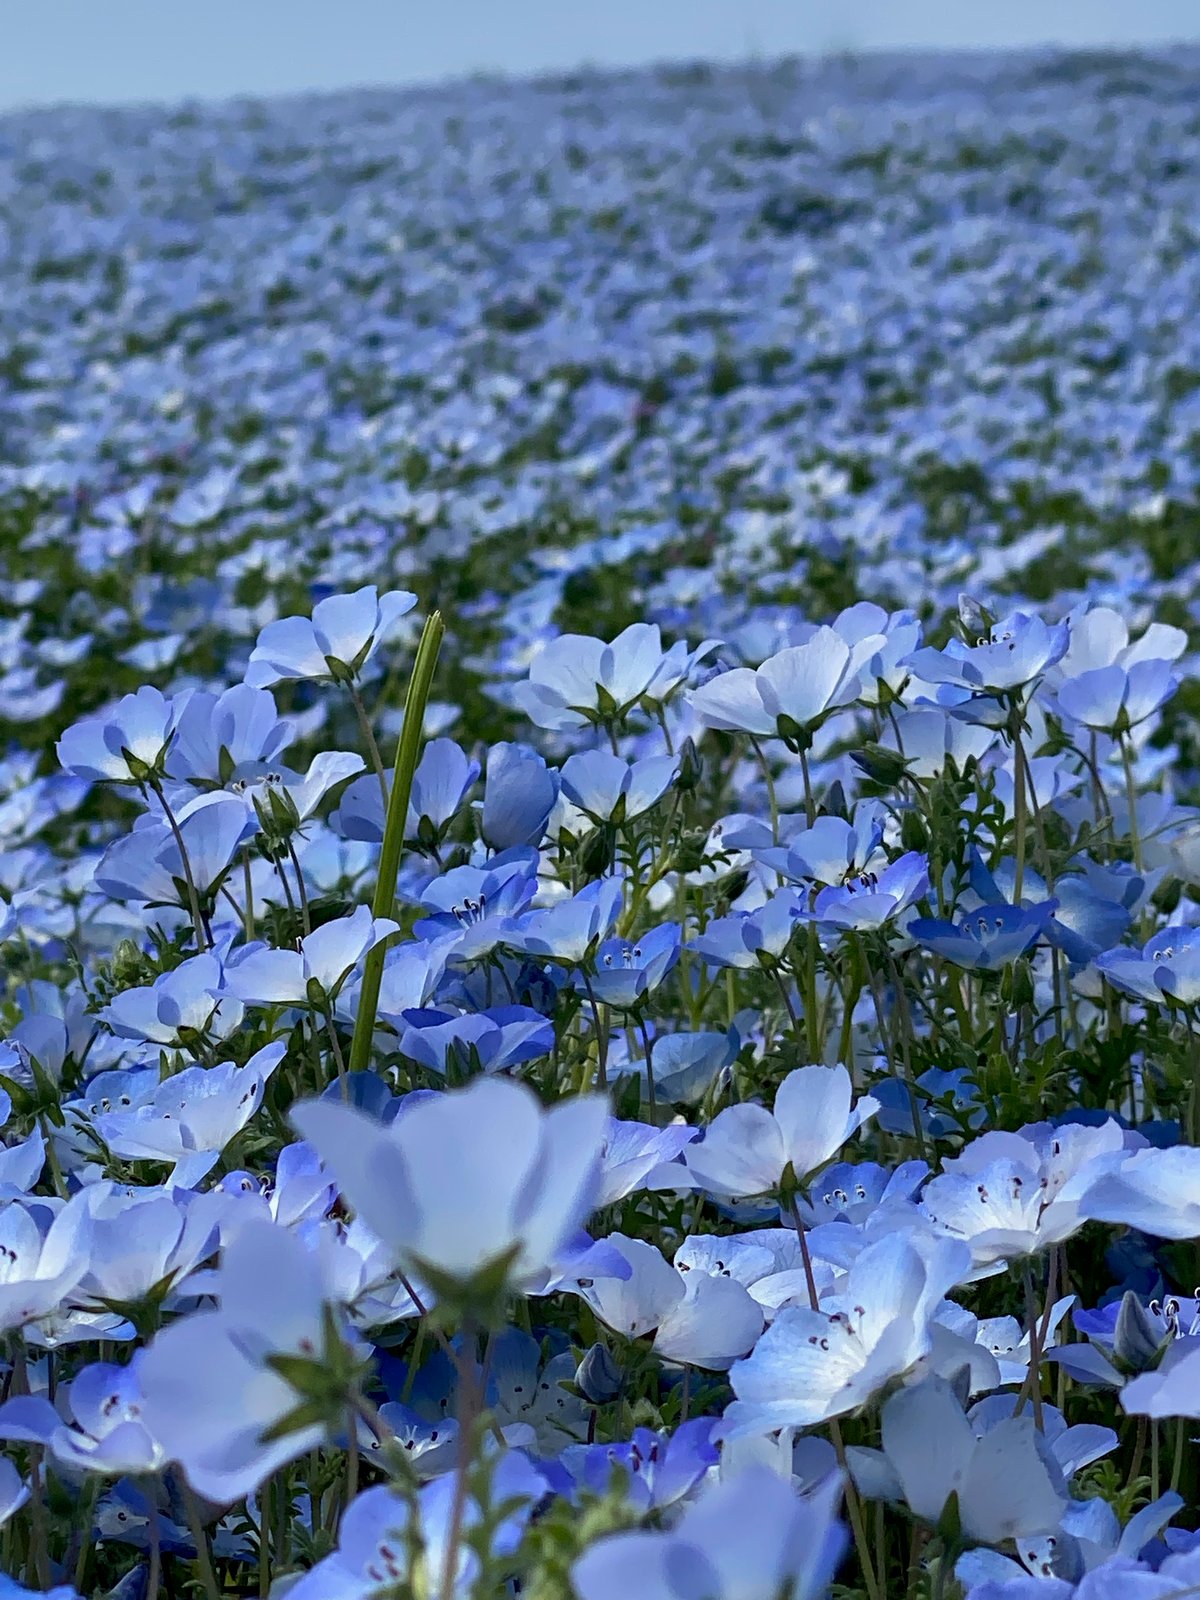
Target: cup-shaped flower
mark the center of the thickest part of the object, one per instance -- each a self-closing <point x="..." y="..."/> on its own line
<point x="792" y="693"/>
<point x="178" y="1009"/>
<point x="608" y="789"/>
<point x="1114" y="699"/>
<point x="491" y="1041"/>
<point x="219" y="1386"/>
<point x="746" y="1149"/>
<point x="577" y="679"/>
<point x="518" y="796"/>
<point x="811" y="1365"/>
<point x="191" y="1116"/>
<point x="343" y="633"/>
<point x="1006" y="1482"/>
<point x="310" y="975"/>
<point x="441" y="783"/>
<point x="1010" y="655"/>
<point x="43" y="1256"/>
<point x="702" y="1320"/>
<point x="572" y="930"/>
<point x="217" y="733"/>
<point x="468" y="1181"/>
<point x="626" y="970"/>
<point x="749" y="1537"/>
<point x="127" y="744"/>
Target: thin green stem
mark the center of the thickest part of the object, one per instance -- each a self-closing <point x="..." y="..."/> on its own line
<point x="204" y="1566"/>
<point x="368" y="733"/>
<point x="393" y="833"/>
<point x="1135" y="838"/>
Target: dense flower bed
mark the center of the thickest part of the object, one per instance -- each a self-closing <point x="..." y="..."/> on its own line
<point x="600" y="838"/>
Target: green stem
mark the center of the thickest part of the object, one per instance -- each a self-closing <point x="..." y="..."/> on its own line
<point x="1135" y="840"/>
<point x="204" y="1566"/>
<point x="200" y="927"/>
<point x="810" y="805"/>
<point x="368" y="733"/>
<point x="1018" y="817"/>
<point x="393" y="833"/>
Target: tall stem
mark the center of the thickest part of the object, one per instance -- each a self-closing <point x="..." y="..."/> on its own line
<point x="810" y="805"/>
<point x="393" y="833"/>
<point x="1018" y="816"/>
<point x="1135" y="838"/>
<point x="368" y="733"/>
<point x="198" y="923"/>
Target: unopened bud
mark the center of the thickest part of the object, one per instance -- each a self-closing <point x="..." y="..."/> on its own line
<point x="598" y="1377"/>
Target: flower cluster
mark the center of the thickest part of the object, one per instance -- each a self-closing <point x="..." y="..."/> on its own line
<point x="600" y="897"/>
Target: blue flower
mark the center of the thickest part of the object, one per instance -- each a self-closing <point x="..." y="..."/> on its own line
<point x="343" y="634"/>
<point x="518" y="796"/>
<point x="626" y="971"/>
<point x="985" y="940"/>
<point x="497" y="1039"/>
<point x="609" y="789"/>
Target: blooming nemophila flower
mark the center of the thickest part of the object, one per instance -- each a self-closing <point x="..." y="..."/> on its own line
<point x="180" y="1008"/>
<point x="1155" y="1191"/>
<point x="874" y="898"/>
<point x="374" y="1536"/>
<point x="192" y="1116"/>
<point x="441" y="783"/>
<point x="636" y="1155"/>
<point x="144" y="1241"/>
<point x="212" y="1395"/>
<point x="44" y="1254"/>
<point x="832" y="851"/>
<point x="342" y="635"/>
<point x="928" y="739"/>
<point x="627" y="970"/>
<point x="572" y="930"/>
<point x="698" y="1319"/>
<point x="576" y="679"/>
<point x="216" y="734"/>
<point x="1099" y="638"/>
<point x="478" y="906"/>
<point x="1006" y="1482"/>
<point x="1167" y="964"/>
<point x="106" y="1433"/>
<point x="811" y="1365"/>
<point x="746" y="1149"/>
<point x="1009" y="656"/>
<point x="1006" y="1197"/>
<point x="147" y="864"/>
<point x="311" y="975"/>
<point x="127" y="744"/>
<point x="608" y="789"/>
<point x="469" y="1179"/>
<point x="1115" y="699"/>
<point x="987" y="939"/>
<point x="749" y="1537"/>
<point x="663" y="1468"/>
<point x="751" y="939"/>
<point x="792" y="693"/>
<point x="497" y="1039"/>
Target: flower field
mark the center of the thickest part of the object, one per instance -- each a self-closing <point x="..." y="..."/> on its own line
<point x="600" y="838"/>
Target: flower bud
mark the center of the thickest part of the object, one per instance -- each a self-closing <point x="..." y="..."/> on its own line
<point x="1137" y="1339"/>
<point x="598" y="1377"/>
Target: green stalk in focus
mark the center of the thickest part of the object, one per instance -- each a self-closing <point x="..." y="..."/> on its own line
<point x="393" y="834"/>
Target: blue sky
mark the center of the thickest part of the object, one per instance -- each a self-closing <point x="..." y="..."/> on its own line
<point x="114" y="50"/>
